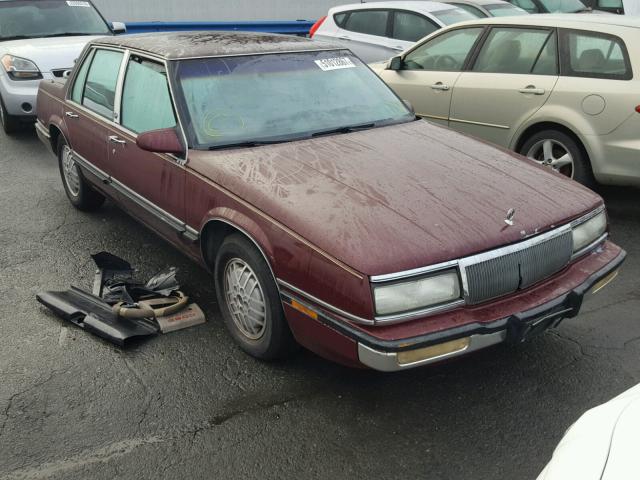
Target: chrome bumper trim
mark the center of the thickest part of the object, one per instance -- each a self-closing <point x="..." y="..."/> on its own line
<point x="388" y="361"/>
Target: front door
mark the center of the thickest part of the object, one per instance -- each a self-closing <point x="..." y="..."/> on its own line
<point x="430" y="71"/>
<point x="151" y="184"/>
<point x="511" y="79"/>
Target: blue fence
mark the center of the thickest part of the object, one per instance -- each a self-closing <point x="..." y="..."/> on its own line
<point x="298" y="27"/>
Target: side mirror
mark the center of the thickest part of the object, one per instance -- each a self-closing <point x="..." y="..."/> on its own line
<point x="395" y="64"/>
<point x="118" y="27"/>
<point x="160" y="141"/>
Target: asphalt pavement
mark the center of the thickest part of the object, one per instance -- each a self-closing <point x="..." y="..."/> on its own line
<point x="192" y="405"/>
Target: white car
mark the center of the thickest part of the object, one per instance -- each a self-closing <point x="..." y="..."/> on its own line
<point x="602" y="445"/>
<point x="41" y="40"/>
<point x="488" y="8"/>
<point x="379" y="30"/>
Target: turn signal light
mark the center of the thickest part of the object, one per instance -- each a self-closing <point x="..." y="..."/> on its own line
<point x="307" y="311"/>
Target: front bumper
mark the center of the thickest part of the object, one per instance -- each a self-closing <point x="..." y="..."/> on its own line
<point x="351" y="345"/>
<point x="19" y="96"/>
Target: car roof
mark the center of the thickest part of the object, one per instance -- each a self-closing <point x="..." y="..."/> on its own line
<point x="180" y="45"/>
<point x="479" y="2"/>
<point x="566" y="20"/>
<point x="423" y="6"/>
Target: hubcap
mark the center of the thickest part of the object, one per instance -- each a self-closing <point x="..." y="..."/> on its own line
<point x="245" y="299"/>
<point x="552" y="153"/>
<point x="70" y="171"/>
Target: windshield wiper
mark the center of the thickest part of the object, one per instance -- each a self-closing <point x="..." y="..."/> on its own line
<point x="70" y="34"/>
<point x="15" y="37"/>
<point x="249" y="144"/>
<point x="347" y="129"/>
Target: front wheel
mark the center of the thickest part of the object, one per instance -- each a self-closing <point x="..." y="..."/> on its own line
<point x="559" y="151"/>
<point x="10" y="123"/>
<point x="250" y="302"/>
<point x="79" y="192"/>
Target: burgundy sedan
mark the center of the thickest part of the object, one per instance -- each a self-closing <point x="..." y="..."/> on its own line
<point x="328" y="215"/>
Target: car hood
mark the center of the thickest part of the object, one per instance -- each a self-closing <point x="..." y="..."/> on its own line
<point x="48" y="53"/>
<point x="398" y="197"/>
<point x="602" y="444"/>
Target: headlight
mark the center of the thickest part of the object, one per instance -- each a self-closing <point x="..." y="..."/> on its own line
<point x="20" y="68"/>
<point x="416" y="294"/>
<point x="588" y="232"/>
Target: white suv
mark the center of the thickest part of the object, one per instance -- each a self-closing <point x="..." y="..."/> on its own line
<point x="379" y="30"/>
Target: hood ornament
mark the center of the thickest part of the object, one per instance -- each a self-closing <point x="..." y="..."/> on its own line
<point x="510" y="216"/>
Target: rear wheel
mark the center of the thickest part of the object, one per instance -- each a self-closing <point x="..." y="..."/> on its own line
<point x="80" y="193"/>
<point x="10" y="123"/>
<point x="249" y="300"/>
<point x="559" y="151"/>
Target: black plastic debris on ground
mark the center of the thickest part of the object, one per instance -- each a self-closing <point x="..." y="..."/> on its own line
<point x="114" y="289"/>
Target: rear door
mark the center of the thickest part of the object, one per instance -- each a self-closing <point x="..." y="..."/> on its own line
<point x="151" y="184"/>
<point x="511" y="78"/>
<point x="366" y="33"/>
<point x="90" y="108"/>
<point x="430" y="71"/>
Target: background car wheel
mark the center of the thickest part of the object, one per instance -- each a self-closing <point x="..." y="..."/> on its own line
<point x="250" y="302"/>
<point x="10" y="123"/>
<point x="79" y="192"/>
<point x="561" y="152"/>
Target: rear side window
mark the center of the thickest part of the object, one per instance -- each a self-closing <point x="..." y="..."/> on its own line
<point x="527" y="5"/>
<point x="411" y="27"/>
<point x="146" y="100"/>
<point x="595" y="55"/>
<point x="446" y="53"/>
<point x="100" y="90"/>
<point x="81" y="78"/>
<point x="371" y="22"/>
<point x="339" y="18"/>
<point x="518" y="51"/>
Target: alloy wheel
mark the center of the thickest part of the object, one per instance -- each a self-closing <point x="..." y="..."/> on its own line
<point x="70" y="171"/>
<point x="552" y="153"/>
<point x="245" y="299"/>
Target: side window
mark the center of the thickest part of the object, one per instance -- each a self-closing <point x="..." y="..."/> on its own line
<point x="514" y="50"/>
<point x="81" y="78"/>
<point x="100" y="90"/>
<point x="527" y="5"/>
<point x="447" y="52"/>
<point x="476" y="12"/>
<point x="146" y="99"/>
<point x="411" y="27"/>
<point x="371" y="22"/>
<point x="339" y="18"/>
<point x="596" y="55"/>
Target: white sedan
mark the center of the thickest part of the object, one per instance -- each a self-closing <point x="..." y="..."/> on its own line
<point x="604" y="444"/>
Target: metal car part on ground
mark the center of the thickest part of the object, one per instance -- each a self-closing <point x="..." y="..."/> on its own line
<point x="122" y="310"/>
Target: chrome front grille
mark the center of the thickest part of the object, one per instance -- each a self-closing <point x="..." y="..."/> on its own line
<point x="513" y="268"/>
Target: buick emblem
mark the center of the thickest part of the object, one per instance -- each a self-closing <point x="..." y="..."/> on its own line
<point x="510" y="216"/>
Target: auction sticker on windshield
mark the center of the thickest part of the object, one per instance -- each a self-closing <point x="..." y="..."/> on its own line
<point x="327" y="64"/>
<point x="78" y="4"/>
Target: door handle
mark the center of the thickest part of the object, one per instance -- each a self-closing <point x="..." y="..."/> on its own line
<point x="115" y="139"/>
<point x="71" y="115"/>
<point x="440" y="86"/>
<point x="532" y="90"/>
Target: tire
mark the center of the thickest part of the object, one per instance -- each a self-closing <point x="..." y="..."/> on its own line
<point x="261" y="331"/>
<point x="79" y="192"/>
<point x="10" y="123"/>
<point x="537" y="148"/>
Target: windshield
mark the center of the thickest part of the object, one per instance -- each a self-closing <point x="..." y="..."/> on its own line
<point x="505" y="10"/>
<point x="453" y="15"/>
<point x="563" y="6"/>
<point x="49" y="18"/>
<point x="281" y="97"/>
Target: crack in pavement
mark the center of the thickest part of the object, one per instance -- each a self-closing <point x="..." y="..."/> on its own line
<point x="124" y="447"/>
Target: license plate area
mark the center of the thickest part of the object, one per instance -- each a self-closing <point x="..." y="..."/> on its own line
<point x="520" y="330"/>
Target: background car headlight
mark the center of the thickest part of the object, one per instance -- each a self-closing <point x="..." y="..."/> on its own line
<point x="588" y="232"/>
<point x="20" y="68"/>
<point x="416" y="294"/>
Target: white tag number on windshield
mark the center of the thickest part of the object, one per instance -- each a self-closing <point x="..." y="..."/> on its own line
<point x="78" y="4"/>
<point x="327" y="64"/>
